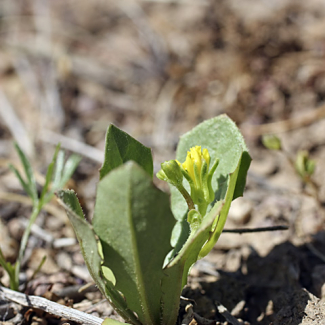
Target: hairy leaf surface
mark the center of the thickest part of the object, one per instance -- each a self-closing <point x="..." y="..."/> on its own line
<point x="89" y="248"/>
<point x="133" y="221"/>
<point x="223" y="140"/>
<point x="120" y="147"/>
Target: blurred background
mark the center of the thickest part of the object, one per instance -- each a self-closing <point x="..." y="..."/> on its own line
<point x="154" y="68"/>
<point x="157" y="68"/>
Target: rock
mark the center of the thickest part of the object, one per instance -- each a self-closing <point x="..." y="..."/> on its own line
<point x="240" y="210"/>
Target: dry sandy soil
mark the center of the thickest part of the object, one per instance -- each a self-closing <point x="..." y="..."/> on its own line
<point x="156" y="69"/>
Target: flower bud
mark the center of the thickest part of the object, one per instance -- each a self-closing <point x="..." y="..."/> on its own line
<point x="171" y="173"/>
<point x="194" y="218"/>
<point x="196" y="170"/>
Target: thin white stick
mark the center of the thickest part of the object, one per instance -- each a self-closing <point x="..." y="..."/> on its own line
<point x="73" y="145"/>
<point x="49" y="307"/>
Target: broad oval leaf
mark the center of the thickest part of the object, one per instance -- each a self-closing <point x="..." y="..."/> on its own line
<point x="223" y="140"/>
<point x="133" y="221"/>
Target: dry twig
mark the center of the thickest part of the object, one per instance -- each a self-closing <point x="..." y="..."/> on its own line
<point x="49" y="307"/>
<point x="261" y="229"/>
<point x="73" y="145"/>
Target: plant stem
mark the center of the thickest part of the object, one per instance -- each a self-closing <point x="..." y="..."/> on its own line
<point x="187" y="197"/>
<point x="23" y="244"/>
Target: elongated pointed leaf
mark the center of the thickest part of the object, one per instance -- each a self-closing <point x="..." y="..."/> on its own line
<point x="31" y="183"/>
<point x="220" y="222"/>
<point x="120" y="148"/>
<point x="10" y="269"/>
<point x="177" y="270"/>
<point x="133" y="220"/>
<point x="189" y="253"/>
<point x="69" y="168"/>
<point x="58" y="169"/>
<point x="223" y="140"/>
<point x="63" y="172"/>
<point x="89" y="249"/>
<point x="49" y="173"/>
<point x="21" y="180"/>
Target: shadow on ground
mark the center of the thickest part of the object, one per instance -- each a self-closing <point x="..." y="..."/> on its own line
<point x="283" y="287"/>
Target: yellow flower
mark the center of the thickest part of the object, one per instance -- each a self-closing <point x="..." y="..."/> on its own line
<point x="196" y="171"/>
<point x="194" y="162"/>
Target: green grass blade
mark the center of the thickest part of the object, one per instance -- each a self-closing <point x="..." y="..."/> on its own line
<point x="63" y="173"/>
<point x="49" y="174"/>
<point x="24" y="240"/>
<point x="22" y="182"/>
<point x="6" y="265"/>
<point x="58" y="169"/>
<point x="69" y="168"/>
<point x="28" y="172"/>
<point x="10" y="269"/>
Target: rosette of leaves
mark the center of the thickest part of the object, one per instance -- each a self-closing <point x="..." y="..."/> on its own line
<point x="138" y="248"/>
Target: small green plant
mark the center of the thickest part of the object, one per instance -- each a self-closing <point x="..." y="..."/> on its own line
<point x="58" y="173"/>
<point x="302" y="164"/>
<point x="142" y="244"/>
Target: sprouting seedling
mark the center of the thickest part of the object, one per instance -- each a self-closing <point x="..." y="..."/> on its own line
<point x="142" y="244"/>
<point x="57" y="175"/>
<point x="272" y="142"/>
<point x="303" y="165"/>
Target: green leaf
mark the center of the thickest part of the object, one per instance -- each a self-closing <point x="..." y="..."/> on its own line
<point x="49" y="174"/>
<point x="223" y="140"/>
<point x="177" y="270"/>
<point x="10" y="269"/>
<point x="62" y="174"/>
<point x="171" y="286"/>
<point x="89" y="248"/>
<point x="133" y="221"/>
<point x="58" y="169"/>
<point x="188" y="255"/>
<point x="205" y="236"/>
<point x="69" y="168"/>
<point x="272" y="142"/>
<point x="221" y="220"/>
<point x="120" y="148"/>
<point x="304" y="166"/>
<point x="21" y="180"/>
<point x="31" y="184"/>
